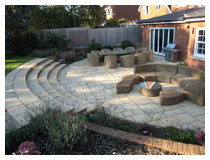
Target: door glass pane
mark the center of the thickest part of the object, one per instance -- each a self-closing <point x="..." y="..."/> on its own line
<point x="160" y="40"/>
<point x="156" y="40"/>
<point x="171" y="36"/>
<point x="165" y="37"/>
<point x="151" y="37"/>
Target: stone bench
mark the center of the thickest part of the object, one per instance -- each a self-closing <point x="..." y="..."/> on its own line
<point x="170" y="97"/>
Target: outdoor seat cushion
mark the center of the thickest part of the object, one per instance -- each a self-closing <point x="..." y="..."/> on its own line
<point x="195" y="89"/>
<point x="164" y="76"/>
<point x="191" y="81"/>
<point x="144" y="68"/>
<point x="178" y="78"/>
<point x="147" y="76"/>
<point x="195" y="94"/>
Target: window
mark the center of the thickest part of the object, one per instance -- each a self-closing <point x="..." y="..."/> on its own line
<point x="157" y="7"/>
<point x="146" y="10"/>
<point x="199" y="50"/>
<point x="108" y="11"/>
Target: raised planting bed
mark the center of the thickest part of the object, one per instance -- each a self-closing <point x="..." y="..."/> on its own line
<point x="172" y="147"/>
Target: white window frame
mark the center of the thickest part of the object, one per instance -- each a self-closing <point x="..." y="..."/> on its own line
<point x="157" y="7"/>
<point x="145" y="10"/>
<point x="196" y="43"/>
<point x="160" y="53"/>
<point x="108" y="10"/>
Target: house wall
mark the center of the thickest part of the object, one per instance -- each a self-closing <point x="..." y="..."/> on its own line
<point x="153" y="12"/>
<point x="124" y="11"/>
<point x="176" y="8"/>
<point x="184" y="40"/>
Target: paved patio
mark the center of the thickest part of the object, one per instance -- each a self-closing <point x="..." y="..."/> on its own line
<point x="98" y="85"/>
<point x="83" y="87"/>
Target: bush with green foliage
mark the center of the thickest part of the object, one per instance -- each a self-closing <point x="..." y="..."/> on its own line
<point x="125" y="127"/>
<point x="122" y="20"/>
<point x="180" y="135"/>
<point x="111" y="23"/>
<point x="108" y="47"/>
<point x="51" y="40"/>
<point x="64" y="132"/>
<point x="126" y="43"/>
<point x="183" y="63"/>
<point x="94" y="46"/>
<point x="44" y="53"/>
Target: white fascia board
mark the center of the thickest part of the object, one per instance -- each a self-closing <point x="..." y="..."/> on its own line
<point x="185" y="21"/>
<point x="139" y="9"/>
<point x="168" y="9"/>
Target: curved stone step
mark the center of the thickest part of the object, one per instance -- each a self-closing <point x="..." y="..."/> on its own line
<point x="32" y="80"/>
<point x="43" y="81"/>
<point x="17" y="93"/>
<point x="79" y="104"/>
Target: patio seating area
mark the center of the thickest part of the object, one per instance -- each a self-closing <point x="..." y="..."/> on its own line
<point x="81" y="87"/>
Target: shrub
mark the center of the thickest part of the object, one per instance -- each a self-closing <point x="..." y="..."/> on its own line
<point x="122" y="20"/>
<point x="126" y="43"/>
<point x="108" y="47"/>
<point x="64" y="132"/>
<point x="52" y="40"/>
<point x="27" y="148"/>
<point x="44" y="53"/>
<point x="183" y="63"/>
<point x="180" y="135"/>
<point x="111" y="23"/>
<point x="94" y="46"/>
<point x="124" y="127"/>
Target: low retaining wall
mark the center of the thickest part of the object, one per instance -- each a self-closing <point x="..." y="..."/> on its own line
<point x="171" y="146"/>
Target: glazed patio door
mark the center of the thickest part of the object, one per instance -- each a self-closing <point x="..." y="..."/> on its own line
<point x="159" y="38"/>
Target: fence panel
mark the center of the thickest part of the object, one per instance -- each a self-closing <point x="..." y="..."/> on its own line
<point x="81" y="36"/>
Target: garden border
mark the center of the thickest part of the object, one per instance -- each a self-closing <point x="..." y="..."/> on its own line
<point x="171" y="146"/>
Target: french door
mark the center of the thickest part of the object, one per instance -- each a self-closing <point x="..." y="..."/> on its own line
<point x="159" y="38"/>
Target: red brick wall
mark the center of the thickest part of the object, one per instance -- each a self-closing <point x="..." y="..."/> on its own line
<point x="125" y="11"/>
<point x="184" y="40"/>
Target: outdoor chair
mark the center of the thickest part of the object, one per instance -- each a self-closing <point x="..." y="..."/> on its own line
<point x="140" y="58"/>
<point x="105" y="50"/>
<point x="117" y="49"/>
<point x="149" y="55"/>
<point x="141" y="49"/>
<point x="127" y="60"/>
<point x="93" y="60"/>
<point x="110" y="62"/>
<point x="97" y="53"/>
<point x="118" y="56"/>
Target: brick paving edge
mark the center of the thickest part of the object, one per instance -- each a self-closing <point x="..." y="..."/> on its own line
<point x="171" y="146"/>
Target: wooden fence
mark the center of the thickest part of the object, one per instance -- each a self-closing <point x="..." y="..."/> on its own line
<point x="82" y="36"/>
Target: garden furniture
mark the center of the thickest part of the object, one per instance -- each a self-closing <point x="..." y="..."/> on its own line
<point x="141" y="49"/>
<point x="97" y="53"/>
<point x="93" y="60"/>
<point x="149" y="55"/>
<point x="170" y="97"/>
<point x="110" y="62"/>
<point x="133" y="78"/>
<point x="164" y="72"/>
<point x="117" y="52"/>
<point x="150" y="88"/>
<point x="124" y="86"/>
<point x="146" y="72"/>
<point x="127" y="60"/>
<point x="105" y="50"/>
<point x="140" y="58"/>
<point x="118" y="57"/>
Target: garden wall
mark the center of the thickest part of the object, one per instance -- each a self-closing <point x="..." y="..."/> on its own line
<point x="82" y="36"/>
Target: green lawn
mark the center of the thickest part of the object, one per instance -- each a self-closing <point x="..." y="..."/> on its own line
<point x="12" y="63"/>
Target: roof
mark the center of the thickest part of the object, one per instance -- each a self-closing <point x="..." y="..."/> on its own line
<point x="197" y="12"/>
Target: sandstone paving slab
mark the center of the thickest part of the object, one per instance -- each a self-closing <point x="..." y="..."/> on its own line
<point x="173" y="112"/>
<point x="151" y="108"/>
<point x="168" y="121"/>
<point x="198" y="124"/>
<point x="201" y="118"/>
<point x="184" y="118"/>
<point x="193" y="110"/>
<point x="128" y="113"/>
<point x="141" y="118"/>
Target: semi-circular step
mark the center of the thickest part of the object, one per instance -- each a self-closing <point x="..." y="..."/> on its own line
<point x="43" y="81"/>
<point x="78" y="104"/>
<point x="17" y="92"/>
